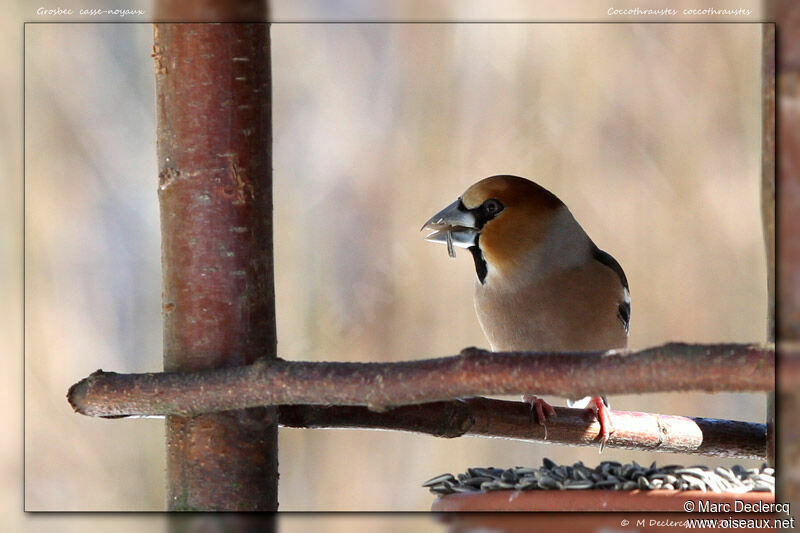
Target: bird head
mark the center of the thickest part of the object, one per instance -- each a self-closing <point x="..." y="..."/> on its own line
<point x="499" y="219"/>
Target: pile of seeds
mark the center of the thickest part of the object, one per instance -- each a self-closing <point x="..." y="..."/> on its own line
<point x="607" y="475"/>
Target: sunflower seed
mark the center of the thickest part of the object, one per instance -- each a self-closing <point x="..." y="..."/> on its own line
<point x="694" y="483"/>
<point x="575" y="484"/>
<point x="449" y="239"/>
<point x="607" y="475"/>
<point x="607" y="484"/>
<point x="509" y="476"/>
<point x="527" y="483"/>
<point x="725" y="473"/>
<point x="627" y="471"/>
<point x="477" y="481"/>
<point x="692" y="470"/>
<point x="438" y="479"/>
<point x="546" y="482"/>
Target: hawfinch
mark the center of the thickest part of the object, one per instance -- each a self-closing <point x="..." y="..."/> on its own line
<point x="542" y="284"/>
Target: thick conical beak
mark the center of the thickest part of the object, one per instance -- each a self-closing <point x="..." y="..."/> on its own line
<point x="454" y="225"/>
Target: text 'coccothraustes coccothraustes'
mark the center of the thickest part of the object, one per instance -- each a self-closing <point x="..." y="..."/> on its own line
<point x="542" y="284"/>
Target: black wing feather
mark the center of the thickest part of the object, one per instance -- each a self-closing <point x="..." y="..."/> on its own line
<point x="624" y="307"/>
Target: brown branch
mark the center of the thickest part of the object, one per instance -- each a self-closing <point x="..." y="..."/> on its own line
<point x="484" y="417"/>
<point x="672" y="367"/>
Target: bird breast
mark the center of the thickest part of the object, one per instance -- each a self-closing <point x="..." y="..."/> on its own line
<point x="572" y="309"/>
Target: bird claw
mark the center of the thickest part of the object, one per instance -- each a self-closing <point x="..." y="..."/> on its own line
<point x="541" y="411"/>
<point x="603" y="415"/>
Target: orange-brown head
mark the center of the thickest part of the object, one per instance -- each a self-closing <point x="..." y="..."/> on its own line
<point x="500" y="219"/>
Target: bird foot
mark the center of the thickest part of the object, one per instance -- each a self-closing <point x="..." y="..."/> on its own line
<point x="603" y="415"/>
<point x="541" y="411"/>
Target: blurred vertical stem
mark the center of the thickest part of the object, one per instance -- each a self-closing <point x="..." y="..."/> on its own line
<point x="786" y="14"/>
<point x="213" y="90"/>
<point x="768" y="200"/>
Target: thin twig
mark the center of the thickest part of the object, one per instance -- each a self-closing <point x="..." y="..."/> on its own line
<point x="379" y="386"/>
<point x="484" y="417"/>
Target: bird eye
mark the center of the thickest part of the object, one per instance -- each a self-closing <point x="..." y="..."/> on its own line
<point x="492" y="206"/>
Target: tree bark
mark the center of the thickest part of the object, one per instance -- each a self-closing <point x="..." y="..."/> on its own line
<point x="786" y="14"/>
<point x="214" y="151"/>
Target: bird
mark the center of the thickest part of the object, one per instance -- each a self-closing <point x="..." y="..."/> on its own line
<point x="541" y="283"/>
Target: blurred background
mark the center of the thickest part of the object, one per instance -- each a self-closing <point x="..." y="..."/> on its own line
<point x="650" y="133"/>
